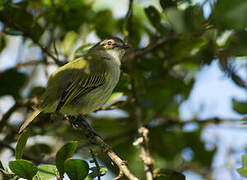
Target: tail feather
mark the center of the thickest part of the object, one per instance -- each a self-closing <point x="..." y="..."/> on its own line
<point x="29" y="120"/>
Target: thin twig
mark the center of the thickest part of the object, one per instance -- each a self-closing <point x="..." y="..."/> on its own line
<point x="7" y="115"/>
<point x="225" y="65"/>
<point x="25" y="155"/>
<point x="55" y="48"/>
<point x="29" y="63"/>
<point x="95" y="139"/>
<point x="145" y="152"/>
<point x="160" y="41"/>
<point x="129" y="18"/>
<point x="45" y="50"/>
<point x="96" y="163"/>
<point x="115" y="105"/>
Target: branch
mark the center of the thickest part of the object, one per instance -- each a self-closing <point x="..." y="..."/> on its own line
<point x="151" y="46"/>
<point x="8" y="114"/>
<point x="237" y="79"/>
<point x="25" y="155"/>
<point x="18" y="104"/>
<point x="94" y="138"/>
<point x="145" y="152"/>
<point x="129" y="18"/>
<point x="45" y="50"/>
<point x="26" y="33"/>
<point x="29" y="63"/>
<point x="115" y="105"/>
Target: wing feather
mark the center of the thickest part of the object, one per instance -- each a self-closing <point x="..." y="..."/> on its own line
<point x="76" y="89"/>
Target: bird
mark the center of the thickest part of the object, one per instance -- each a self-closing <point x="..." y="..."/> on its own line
<point x="83" y="85"/>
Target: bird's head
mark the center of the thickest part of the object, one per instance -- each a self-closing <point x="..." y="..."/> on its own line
<point x="114" y="47"/>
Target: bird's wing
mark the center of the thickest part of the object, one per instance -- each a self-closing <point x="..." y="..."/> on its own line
<point x="78" y="88"/>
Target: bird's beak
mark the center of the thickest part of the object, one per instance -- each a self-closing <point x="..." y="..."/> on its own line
<point x="125" y="46"/>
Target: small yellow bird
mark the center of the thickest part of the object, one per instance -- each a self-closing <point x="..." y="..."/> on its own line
<point x="84" y="84"/>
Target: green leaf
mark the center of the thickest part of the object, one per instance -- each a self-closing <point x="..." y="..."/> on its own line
<point x="47" y="171"/>
<point x="176" y="19"/>
<point x="12" y="17"/>
<point x="22" y="140"/>
<point x="36" y="91"/>
<point x="1" y="165"/>
<point x="243" y="170"/>
<point x="82" y="50"/>
<point x="7" y="86"/>
<point x="69" y="41"/>
<point x="114" y="97"/>
<point x="229" y="14"/>
<point x="236" y="44"/>
<point x="39" y="149"/>
<point x="23" y="168"/>
<point x="153" y="15"/>
<point x="240" y="107"/>
<point x="104" y="24"/>
<point x="168" y="3"/>
<point x="168" y="174"/>
<point x="64" y="153"/>
<point x="76" y="169"/>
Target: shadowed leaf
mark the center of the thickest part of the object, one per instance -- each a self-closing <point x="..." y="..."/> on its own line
<point x="76" y="169"/>
<point x="7" y="86"/>
<point x="23" y="168"/>
<point x="65" y="152"/>
<point x="22" y="140"/>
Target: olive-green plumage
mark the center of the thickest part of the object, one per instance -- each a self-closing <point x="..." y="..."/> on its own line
<point x="84" y="84"/>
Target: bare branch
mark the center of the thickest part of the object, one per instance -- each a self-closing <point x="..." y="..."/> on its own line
<point x="45" y="50"/>
<point x="29" y="63"/>
<point x="153" y="45"/>
<point x="94" y="138"/>
<point x="145" y="152"/>
<point x="225" y="65"/>
<point x="8" y="114"/>
<point x="25" y="155"/>
<point x="129" y="18"/>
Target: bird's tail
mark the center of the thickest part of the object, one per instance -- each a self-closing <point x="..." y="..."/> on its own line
<point x="29" y="120"/>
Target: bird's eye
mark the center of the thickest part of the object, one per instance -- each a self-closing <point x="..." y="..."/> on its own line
<point x="109" y="43"/>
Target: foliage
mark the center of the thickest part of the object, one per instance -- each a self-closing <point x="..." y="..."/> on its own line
<point x="154" y="82"/>
<point x="243" y="170"/>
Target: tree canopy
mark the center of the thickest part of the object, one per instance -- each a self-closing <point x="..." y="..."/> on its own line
<point x="171" y="40"/>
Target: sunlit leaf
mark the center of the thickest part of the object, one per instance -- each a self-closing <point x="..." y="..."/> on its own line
<point x="69" y="41"/>
<point x="240" y="107"/>
<point x="243" y="170"/>
<point x="47" y="171"/>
